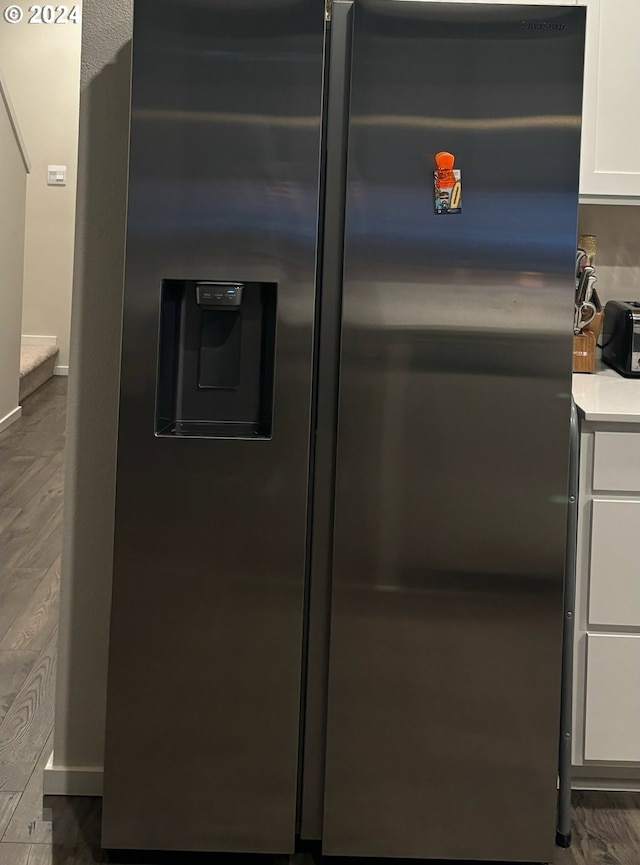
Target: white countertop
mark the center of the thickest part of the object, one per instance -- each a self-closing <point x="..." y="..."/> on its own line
<point x="606" y="396"/>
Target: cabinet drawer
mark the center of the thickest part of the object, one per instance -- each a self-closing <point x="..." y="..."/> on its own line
<point x="616" y="462"/>
<point x="614" y="579"/>
<point x="612" y="712"/>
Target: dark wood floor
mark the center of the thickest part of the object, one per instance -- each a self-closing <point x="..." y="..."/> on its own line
<point x="65" y="830"/>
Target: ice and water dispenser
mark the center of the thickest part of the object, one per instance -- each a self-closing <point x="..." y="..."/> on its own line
<point x="216" y="359"/>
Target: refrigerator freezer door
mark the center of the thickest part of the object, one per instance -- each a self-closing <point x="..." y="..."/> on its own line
<point x="446" y="622"/>
<point x="206" y="634"/>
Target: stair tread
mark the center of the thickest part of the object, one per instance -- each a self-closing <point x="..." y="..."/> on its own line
<point x="33" y="356"/>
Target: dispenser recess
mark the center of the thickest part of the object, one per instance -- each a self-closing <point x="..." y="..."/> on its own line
<point x="216" y="359"/>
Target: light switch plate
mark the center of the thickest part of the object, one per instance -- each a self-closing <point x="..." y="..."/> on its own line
<point x="56" y="175"/>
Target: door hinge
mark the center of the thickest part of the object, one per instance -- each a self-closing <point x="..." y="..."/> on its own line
<point x="328" y="5"/>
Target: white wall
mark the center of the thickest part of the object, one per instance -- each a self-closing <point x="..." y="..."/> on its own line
<point x="13" y="192"/>
<point x="41" y="65"/>
<point x="93" y="399"/>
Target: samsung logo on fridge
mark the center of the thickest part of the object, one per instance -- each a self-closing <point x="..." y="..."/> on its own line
<point x="543" y="25"/>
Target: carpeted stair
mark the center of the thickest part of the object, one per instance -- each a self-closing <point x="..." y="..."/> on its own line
<point x="37" y="363"/>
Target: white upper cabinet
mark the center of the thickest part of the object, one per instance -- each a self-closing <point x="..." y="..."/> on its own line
<point x="610" y="163"/>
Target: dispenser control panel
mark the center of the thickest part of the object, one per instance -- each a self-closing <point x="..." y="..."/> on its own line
<point x="219" y="294"/>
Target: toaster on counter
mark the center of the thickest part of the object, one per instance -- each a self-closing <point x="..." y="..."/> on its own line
<point x="621" y="337"/>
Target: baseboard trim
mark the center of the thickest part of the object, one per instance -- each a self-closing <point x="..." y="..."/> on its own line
<point x="87" y="781"/>
<point x="606" y="785"/>
<point x="61" y="370"/>
<point x="10" y="418"/>
<point x="609" y="199"/>
<point x="35" y="339"/>
<point x="71" y="780"/>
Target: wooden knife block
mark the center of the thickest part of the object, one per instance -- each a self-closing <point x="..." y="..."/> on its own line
<point x="584" y="346"/>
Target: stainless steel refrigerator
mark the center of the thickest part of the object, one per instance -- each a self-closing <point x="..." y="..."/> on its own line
<point x="344" y="428"/>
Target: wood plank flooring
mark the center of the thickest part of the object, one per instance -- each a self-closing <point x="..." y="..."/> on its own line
<point x="65" y="830"/>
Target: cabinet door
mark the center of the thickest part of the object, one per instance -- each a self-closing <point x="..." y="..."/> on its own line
<point x="611" y="120"/>
<point x="614" y="586"/>
<point x="612" y="712"/>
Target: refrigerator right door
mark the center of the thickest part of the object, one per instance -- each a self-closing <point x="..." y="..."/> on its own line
<point x="446" y="621"/>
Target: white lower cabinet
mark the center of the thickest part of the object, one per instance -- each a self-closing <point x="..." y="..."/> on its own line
<point x="614" y="584"/>
<point x="612" y="709"/>
<point x="519" y="2"/>
<point x="606" y="686"/>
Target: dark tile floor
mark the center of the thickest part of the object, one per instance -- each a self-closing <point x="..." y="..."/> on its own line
<point x="65" y="830"/>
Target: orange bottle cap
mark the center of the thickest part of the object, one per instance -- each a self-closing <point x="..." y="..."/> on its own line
<point x="445" y="160"/>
